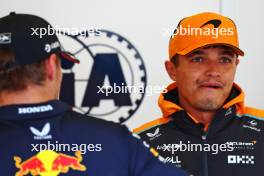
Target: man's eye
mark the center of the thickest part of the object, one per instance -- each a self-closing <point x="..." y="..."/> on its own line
<point x="225" y="60"/>
<point x="197" y="59"/>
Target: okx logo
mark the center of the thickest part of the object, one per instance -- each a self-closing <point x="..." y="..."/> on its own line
<point x="240" y="159"/>
<point x="109" y="82"/>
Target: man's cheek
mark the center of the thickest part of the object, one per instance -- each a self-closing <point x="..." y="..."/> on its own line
<point x="230" y="80"/>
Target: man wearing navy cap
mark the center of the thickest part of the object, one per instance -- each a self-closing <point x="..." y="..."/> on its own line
<point x="39" y="134"/>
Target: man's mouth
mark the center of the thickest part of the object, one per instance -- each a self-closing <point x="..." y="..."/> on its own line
<point x="211" y="85"/>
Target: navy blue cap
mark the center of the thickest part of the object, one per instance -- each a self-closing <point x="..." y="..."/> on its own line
<point x="18" y="32"/>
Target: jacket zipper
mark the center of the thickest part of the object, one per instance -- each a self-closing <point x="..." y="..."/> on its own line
<point x="204" y="157"/>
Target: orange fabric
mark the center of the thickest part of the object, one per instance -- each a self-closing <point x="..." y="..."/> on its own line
<point x="194" y="119"/>
<point x="183" y="43"/>
<point x="238" y="101"/>
<point x="254" y="112"/>
<point x="168" y="108"/>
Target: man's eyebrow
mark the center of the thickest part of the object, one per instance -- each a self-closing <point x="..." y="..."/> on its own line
<point x="228" y="52"/>
<point x="197" y="52"/>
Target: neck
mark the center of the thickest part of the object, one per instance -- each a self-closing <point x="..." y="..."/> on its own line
<point x="199" y="116"/>
<point x="31" y="95"/>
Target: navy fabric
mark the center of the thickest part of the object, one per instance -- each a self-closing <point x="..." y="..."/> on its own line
<point x="113" y="151"/>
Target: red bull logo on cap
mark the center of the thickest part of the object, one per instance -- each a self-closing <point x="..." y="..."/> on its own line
<point x="49" y="163"/>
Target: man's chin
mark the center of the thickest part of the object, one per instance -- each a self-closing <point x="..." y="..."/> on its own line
<point x="208" y="105"/>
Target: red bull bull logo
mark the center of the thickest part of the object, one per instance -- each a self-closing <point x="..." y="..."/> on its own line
<point x="49" y="163"/>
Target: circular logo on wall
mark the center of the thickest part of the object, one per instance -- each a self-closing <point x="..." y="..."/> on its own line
<point x="109" y="82"/>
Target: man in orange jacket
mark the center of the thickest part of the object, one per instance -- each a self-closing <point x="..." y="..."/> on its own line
<point x="205" y="128"/>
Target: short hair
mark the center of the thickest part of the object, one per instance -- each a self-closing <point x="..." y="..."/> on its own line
<point x="175" y="59"/>
<point x="18" y="78"/>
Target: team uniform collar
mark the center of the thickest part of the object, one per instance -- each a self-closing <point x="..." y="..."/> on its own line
<point x="169" y="102"/>
<point x="36" y="110"/>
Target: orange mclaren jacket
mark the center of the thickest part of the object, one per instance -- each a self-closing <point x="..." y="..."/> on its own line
<point x="232" y="145"/>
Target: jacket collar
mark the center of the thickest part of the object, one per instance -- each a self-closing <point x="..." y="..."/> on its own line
<point x="185" y="123"/>
<point x="168" y="102"/>
<point x="27" y="111"/>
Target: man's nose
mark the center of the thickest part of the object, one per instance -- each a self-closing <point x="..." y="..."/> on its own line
<point x="213" y="69"/>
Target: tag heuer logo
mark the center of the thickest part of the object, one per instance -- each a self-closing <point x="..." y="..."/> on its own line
<point x="5" y="38"/>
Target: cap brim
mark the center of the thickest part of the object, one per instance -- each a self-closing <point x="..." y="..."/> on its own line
<point x="68" y="56"/>
<point x="190" y="49"/>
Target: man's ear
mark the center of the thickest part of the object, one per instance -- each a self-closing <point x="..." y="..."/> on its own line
<point x="171" y="69"/>
<point x="51" y="66"/>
